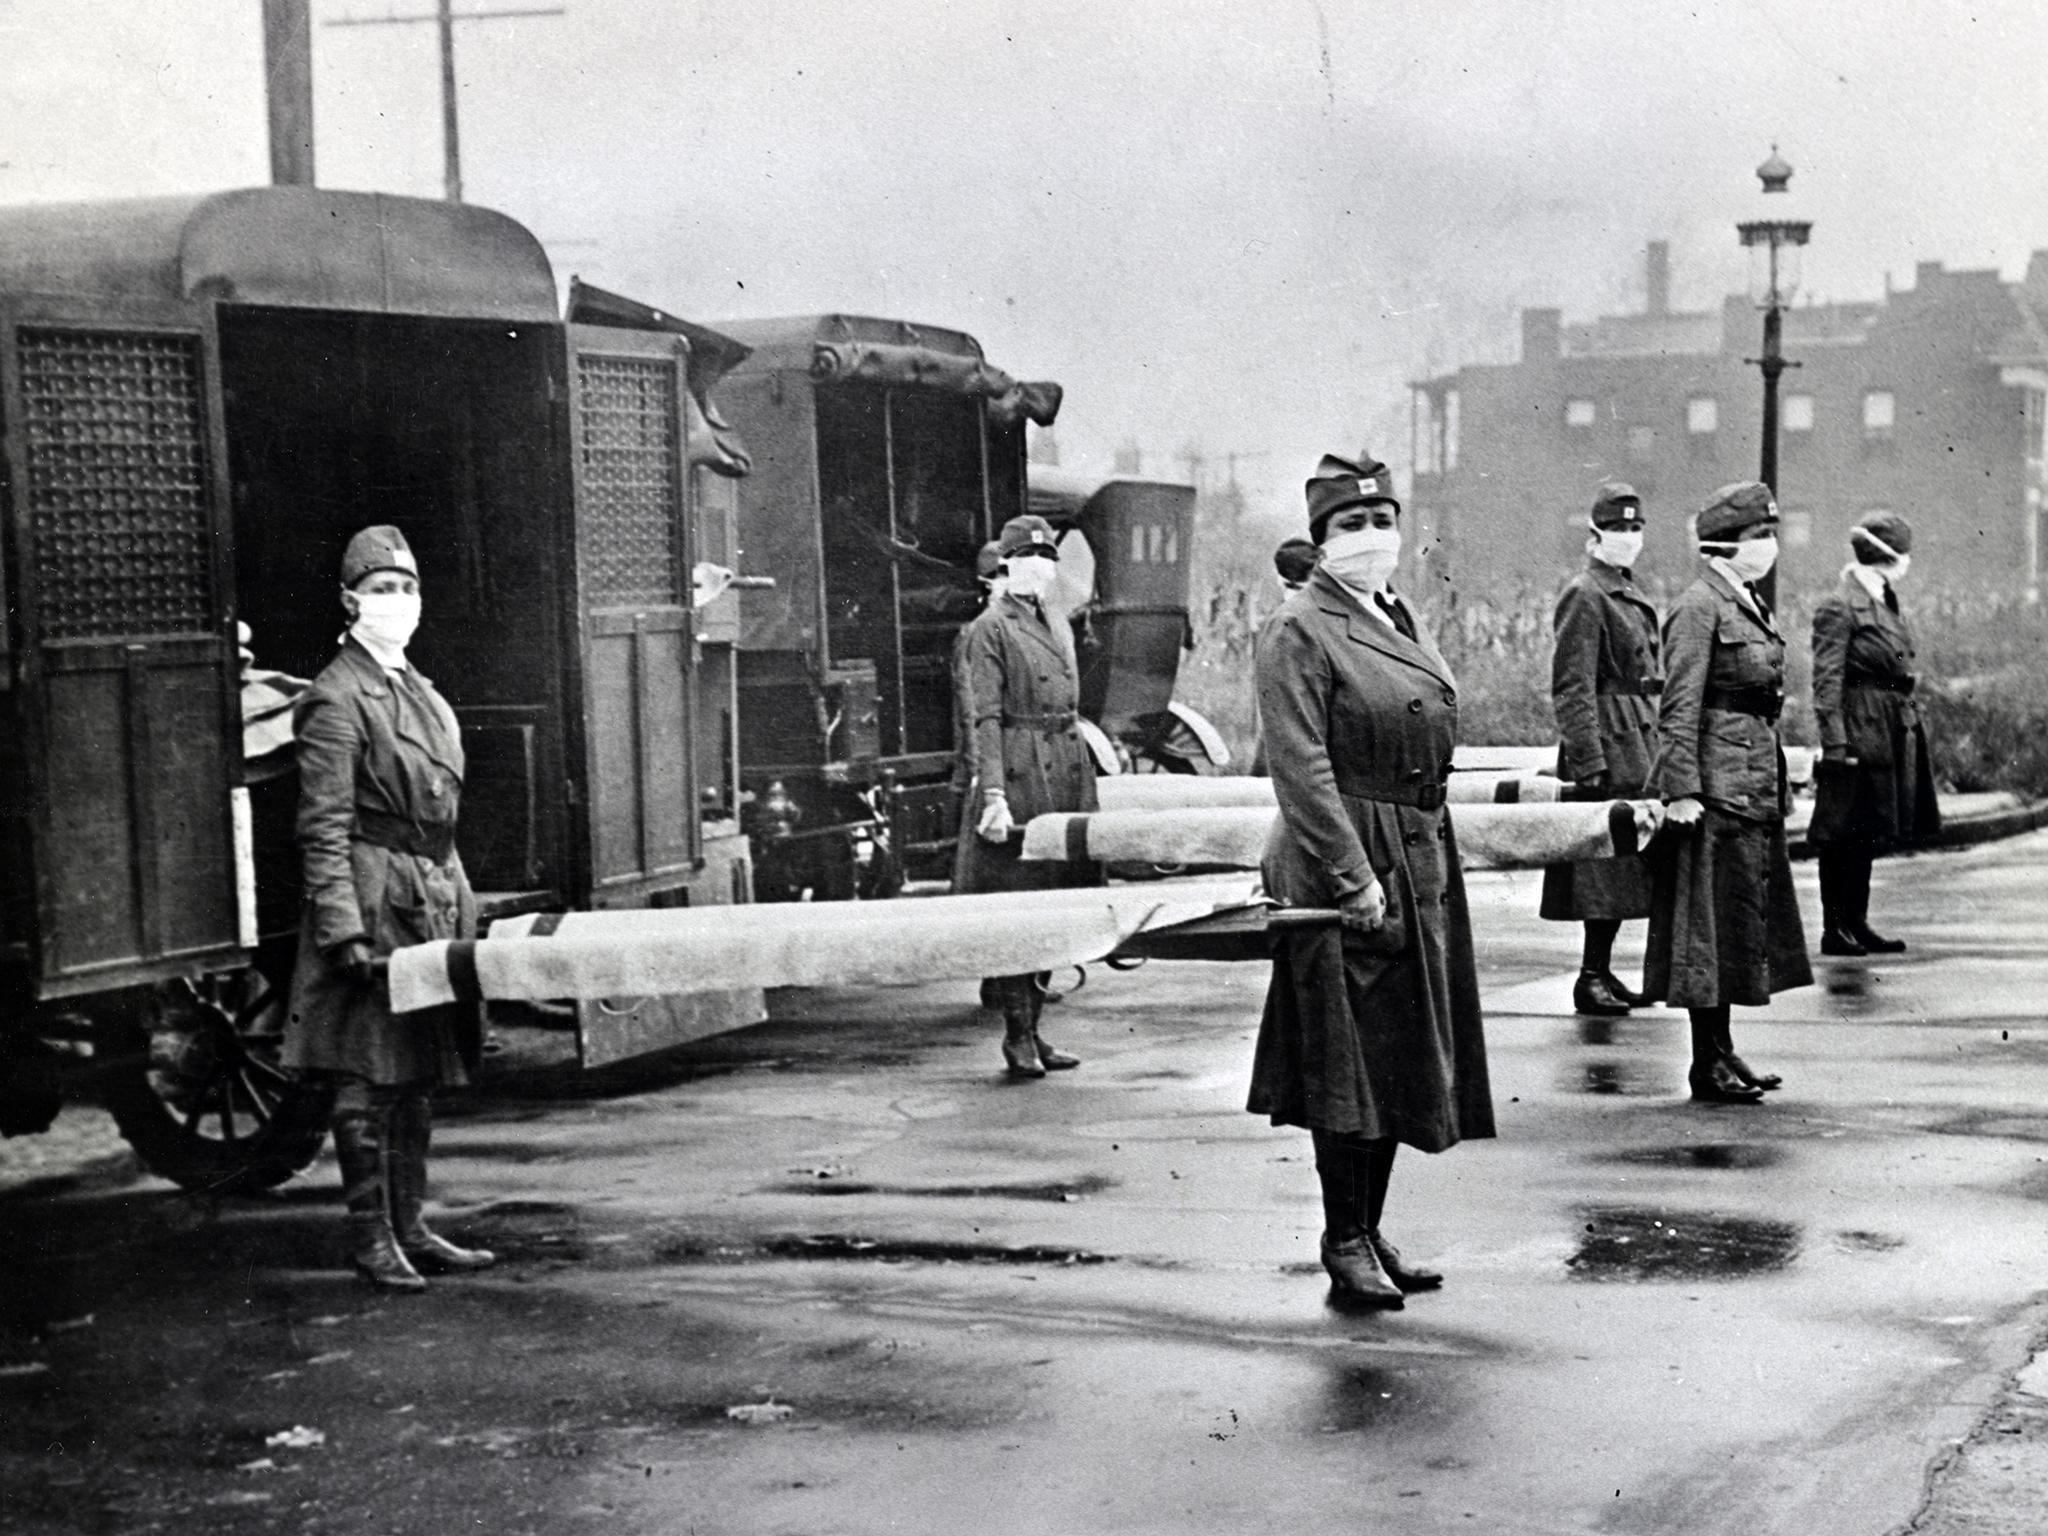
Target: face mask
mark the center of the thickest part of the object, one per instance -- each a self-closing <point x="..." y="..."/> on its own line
<point x="1895" y="572"/>
<point x="1753" y="558"/>
<point x="1029" y="575"/>
<point x="1363" y="558"/>
<point x="388" y="618"/>
<point x="1616" y="547"/>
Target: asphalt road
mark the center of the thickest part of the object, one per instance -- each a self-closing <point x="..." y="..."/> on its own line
<point x="943" y="1303"/>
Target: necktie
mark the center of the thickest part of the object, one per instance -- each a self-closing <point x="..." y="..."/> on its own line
<point x="1394" y="610"/>
<point x="1756" y="596"/>
<point x="1891" y="598"/>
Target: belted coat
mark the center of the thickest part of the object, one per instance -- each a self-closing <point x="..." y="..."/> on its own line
<point x="1724" y="917"/>
<point x="1605" y="675"/>
<point x="1374" y="1035"/>
<point x="1863" y="685"/>
<point x="1022" y="690"/>
<point x="380" y="763"/>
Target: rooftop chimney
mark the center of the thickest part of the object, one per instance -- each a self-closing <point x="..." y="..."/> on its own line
<point x="1657" y="278"/>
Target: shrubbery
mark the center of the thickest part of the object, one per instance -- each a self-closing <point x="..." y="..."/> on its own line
<point x="1984" y="663"/>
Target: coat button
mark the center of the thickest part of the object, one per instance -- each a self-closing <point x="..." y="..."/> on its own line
<point x="1443" y="831"/>
<point x="1411" y="838"/>
<point x="1444" y="900"/>
<point x="1415" y="706"/>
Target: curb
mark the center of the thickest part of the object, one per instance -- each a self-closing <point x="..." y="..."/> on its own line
<point x="1967" y="831"/>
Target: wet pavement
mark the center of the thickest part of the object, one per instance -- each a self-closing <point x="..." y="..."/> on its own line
<point x="835" y="1275"/>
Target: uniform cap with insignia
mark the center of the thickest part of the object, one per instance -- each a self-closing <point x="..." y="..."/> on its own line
<point x="1744" y="504"/>
<point x="1614" y="502"/>
<point x="1029" y="534"/>
<point x="1890" y="530"/>
<point x="382" y="548"/>
<point x="1339" y="483"/>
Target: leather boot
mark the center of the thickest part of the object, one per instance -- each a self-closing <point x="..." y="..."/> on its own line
<point x="412" y="1127"/>
<point x="1020" y="1028"/>
<point x="1050" y="1057"/>
<point x="1410" y="1278"/>
<point x="374" y="1251"/>
<point x="1841" y="943"/>
<point x="1628" y="995"/>
<point x="1876" y="943"/>
<point x="1724" y="1036"/>
<point x="1593" y="995"/>
<point x="1355" y="1270"/>
<point x="1716" y="1083"/>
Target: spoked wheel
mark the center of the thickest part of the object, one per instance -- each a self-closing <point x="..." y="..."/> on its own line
<point x="200" y="1092"/>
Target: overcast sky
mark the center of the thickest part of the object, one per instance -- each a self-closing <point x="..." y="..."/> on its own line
<point x="1240" y="223"/>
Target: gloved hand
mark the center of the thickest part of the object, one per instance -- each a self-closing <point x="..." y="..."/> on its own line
<point x="1684" y="813"/>
<point x="1836" y="755"/>
<point x="1364" y="911"/>
<point x="995" y="825"/>
<point x="353" y="958"/>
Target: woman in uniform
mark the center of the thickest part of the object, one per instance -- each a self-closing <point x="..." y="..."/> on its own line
<point x="1604" y="681"/>
<point x="380" y="779"/>
<point x="1875" y="790"/>
<point x="1022" y="690"/>
<point x="1724" y="921"/>
<point x="1371" y="1036"/>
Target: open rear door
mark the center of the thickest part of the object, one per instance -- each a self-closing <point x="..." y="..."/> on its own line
<point x="643" y="712"/>
<point x="113" y="503"/>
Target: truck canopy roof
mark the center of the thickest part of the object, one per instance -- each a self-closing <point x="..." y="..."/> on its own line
<point x="297" y="247"/>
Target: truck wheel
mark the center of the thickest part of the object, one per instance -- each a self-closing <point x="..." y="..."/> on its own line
<point x="199" y="1092"/>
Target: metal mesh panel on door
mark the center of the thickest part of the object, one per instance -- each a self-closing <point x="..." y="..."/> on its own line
<point x="116" y="493"/>
<point x="631" y="511"/>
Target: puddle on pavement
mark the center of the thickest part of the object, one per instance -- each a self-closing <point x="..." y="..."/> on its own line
<point x="1859" y="1241"/>
<point x="1630" y="1079"/>
<point x="1715" y="1155"/>
<point x="1053" y="1191"/>
<point x="1639" y="1243"/>
<point x="840" y="1245"/>
<point x="1991" y="1123"/>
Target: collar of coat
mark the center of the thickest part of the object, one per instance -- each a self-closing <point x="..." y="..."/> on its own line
<point x="1717" y="580"/>
<point x="1332" y="597"/>
<point x="1868" y="606"/>
<point x="1617" y="582"/>
<point x="375" y="683"/>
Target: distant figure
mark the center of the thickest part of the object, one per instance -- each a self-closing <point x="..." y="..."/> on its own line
<point x="1371" y="1035"/>
<point x="1604" y="682"/>
<point x="380" y="780"/>
<point x="1023" y="695"/>
<point x="1875" y="787"/>
<point x="988" y="576"/>
<point x="1294" y="562"/>
<point x="1724" y="919"/>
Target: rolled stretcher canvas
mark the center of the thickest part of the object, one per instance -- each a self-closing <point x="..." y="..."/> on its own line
<point x="1186" y="791"/>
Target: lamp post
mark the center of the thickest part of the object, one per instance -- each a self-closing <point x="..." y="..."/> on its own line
<point x="1773" y="245"/>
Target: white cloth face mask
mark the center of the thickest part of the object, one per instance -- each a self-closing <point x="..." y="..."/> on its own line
<point x="1753" y="558"/>
<point x="1895" y="571"/>
<point x="1029" y="575"/>
<point x="1363" y="558"/>
<point x="388" y="618"/>
<point x="1617" y="547"/>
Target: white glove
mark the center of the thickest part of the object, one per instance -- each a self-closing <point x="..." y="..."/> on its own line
<point x="995" y="825"/>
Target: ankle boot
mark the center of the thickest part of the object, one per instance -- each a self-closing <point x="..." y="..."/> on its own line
<point x="1410" y="1278"/>
<point x="373" y="1248"/>
<point x="1355" y="1270"/>
<point x="412" y="1126"/>
<point x="1020" y="1027"/>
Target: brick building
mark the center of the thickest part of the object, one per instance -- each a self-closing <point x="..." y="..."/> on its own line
<point x="1929" y="402"/>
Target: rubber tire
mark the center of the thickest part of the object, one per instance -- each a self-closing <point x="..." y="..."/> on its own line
<point x="284" y="1142"/>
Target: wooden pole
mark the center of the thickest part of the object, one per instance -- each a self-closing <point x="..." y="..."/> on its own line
<point x="288" y="71"/>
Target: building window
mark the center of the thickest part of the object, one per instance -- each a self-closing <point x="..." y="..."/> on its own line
<point x="1795" y="527"/>
<point x="1880" y="413"/>
<point x="1642" y="444"/>
<point x="1798" y="414"/>
<point x="1580" y="415"/>
<point x="1702" y="416"/>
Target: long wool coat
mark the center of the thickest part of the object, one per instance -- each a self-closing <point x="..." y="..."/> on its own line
<point x="1373" y="1035"/>
<point x="376" y="749"/>
<point x="1022" y="693"/>
<point x="1605" y="675"/>
<point x="1724" y="918"/>
<point x="1863" y="684"/>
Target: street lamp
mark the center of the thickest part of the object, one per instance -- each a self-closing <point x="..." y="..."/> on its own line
<point x="1774" y="246"/>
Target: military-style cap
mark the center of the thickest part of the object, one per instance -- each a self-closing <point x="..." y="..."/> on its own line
<point x="1296" y="560"/>
<point x="1613" y="502"/>
<point x="1028" y="535"/>
<point x="1340" y="483"/>
<point x="1735" y="507"/>
<point x="1895" y="533"/>
<point x="988" y="561"/>
<point x="382" y="548"/>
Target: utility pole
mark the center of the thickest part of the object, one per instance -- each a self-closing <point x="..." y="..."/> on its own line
<point x="288" y="71"/>
<point x="444" y="19"/>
